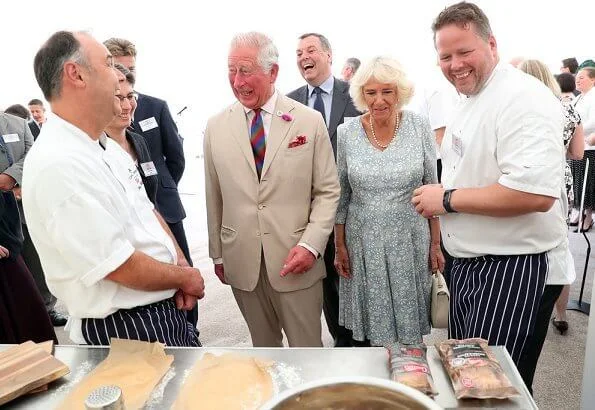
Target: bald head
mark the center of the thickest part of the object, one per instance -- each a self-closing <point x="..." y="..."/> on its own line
<point x="77" y="76"/>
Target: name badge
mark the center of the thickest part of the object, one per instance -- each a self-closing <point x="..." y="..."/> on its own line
<point x="148" y="168"/>
<point x="457" y="145"/>
<point x="148" y="124"/>
<point x="11" y="138"/>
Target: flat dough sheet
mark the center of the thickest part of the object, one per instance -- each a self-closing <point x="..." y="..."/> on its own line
<point x="136" y="367"/>
<point x="226" y="382"/>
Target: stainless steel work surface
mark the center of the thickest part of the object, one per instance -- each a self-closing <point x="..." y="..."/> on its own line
<point x="293" y="366"/>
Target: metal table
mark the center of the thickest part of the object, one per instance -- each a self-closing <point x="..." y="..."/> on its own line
<point x="293" y="367"/>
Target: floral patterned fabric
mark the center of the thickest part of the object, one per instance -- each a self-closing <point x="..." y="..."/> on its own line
<point x="572" y="120"/>
<point x="387" y="298"/>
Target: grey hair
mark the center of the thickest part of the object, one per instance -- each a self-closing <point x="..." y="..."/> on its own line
<point x="49" y="61"/>
<point x="268" y="55"/>
<point x="354" y="63"/>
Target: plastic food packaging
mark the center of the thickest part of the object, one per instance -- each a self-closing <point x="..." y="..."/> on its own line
<point x="474" y="370"/>
<point x="409" y="365"/>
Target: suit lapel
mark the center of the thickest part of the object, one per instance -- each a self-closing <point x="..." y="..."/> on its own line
<point x="239" y="131"/>
<point x="303" y="97"/>
<point x="278" y="131"/>
<point x="338" y="106"/>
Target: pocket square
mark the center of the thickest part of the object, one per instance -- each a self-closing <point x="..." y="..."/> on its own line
<point x="297" y="141"/>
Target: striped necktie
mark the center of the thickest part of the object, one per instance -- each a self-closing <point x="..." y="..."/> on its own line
<point x="257" y="140"/>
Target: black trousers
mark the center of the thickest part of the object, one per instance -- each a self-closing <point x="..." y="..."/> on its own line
<point x="330" y="304"/>
<point x="496" y="297"/>
<point x="22" y="313"/>
<point x="32" y="261"/>
<point x="157" y="322"/>
<point x="177" y="229"/>
<point x="534" y="344"/>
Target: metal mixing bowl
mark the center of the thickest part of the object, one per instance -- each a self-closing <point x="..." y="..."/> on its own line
<point x="351" y="393"/>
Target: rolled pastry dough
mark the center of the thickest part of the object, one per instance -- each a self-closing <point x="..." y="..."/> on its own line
<point x="226" y="382"/>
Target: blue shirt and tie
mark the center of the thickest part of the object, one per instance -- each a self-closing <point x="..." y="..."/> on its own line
<point x="325" y="92"/>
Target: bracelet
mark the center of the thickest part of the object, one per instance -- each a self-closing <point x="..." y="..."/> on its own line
<point x="446" y="201"/>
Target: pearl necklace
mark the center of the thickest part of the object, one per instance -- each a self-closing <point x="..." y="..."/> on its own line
<point x="374" y="134"/>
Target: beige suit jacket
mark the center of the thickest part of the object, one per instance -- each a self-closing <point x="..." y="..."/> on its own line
<point x="295" y="200"/>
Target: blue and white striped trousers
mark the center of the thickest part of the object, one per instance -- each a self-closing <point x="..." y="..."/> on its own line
<point x="497" y="298"/>
<point x="157" y="322"/>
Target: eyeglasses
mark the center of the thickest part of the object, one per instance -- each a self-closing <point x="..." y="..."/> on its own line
<point x="130" y="97"/>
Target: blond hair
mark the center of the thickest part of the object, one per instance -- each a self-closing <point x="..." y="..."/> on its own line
<point x="120" y="47"/>
<point x="384" y="70"/>
<point x="540" y="71"/>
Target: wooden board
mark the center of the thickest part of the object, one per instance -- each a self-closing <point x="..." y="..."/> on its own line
<point x="26" y="367"/>
<point x="48" y="347"/>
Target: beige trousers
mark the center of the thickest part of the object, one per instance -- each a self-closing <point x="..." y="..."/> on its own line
<point x="267" y="311"/>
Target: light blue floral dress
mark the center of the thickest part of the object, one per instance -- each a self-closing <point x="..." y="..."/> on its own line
<point x="387" y="299"/>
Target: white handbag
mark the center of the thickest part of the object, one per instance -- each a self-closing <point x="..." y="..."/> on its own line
<point x="440" y="301"/>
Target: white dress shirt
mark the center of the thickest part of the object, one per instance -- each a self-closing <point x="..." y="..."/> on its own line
<point x="436" y="103"/>
<point x="87" y="212"/>
<point x="509" y="133"/>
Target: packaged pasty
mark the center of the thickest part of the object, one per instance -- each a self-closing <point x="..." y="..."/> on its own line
<point x="409" y="365"/>
<point x="474" y="370"/>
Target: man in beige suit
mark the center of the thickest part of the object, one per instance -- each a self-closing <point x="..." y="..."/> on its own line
<point x="272" y="192"/>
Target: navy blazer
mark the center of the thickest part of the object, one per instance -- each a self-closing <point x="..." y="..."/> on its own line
<point x="341" y="107"/>
<point x="165" y="147"/>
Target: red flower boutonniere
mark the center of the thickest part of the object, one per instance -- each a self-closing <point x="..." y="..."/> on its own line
<point x="297" y="141"/>
<point x="284" y="116"/>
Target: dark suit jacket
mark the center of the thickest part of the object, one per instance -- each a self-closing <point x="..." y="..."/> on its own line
<point x="165" y="147"/>
<point x="34" y="129"/>
<point x="341" y="107"/>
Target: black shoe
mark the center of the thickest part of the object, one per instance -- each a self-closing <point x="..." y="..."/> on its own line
<point x="58" y="319"/>
<point x="584" y="229"/>
<point x="561" y="325"/>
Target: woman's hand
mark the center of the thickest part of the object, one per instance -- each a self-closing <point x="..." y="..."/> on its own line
<point x="4" y="252"/>
<point x="436" y="257"/>
<point x="342" y="261"/>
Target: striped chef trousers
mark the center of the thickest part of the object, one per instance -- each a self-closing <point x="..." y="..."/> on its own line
<point x="496" y="297"/>
<point x="157" y="322"/>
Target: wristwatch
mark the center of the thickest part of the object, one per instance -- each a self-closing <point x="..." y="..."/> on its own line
<point x="446" y="201"/>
